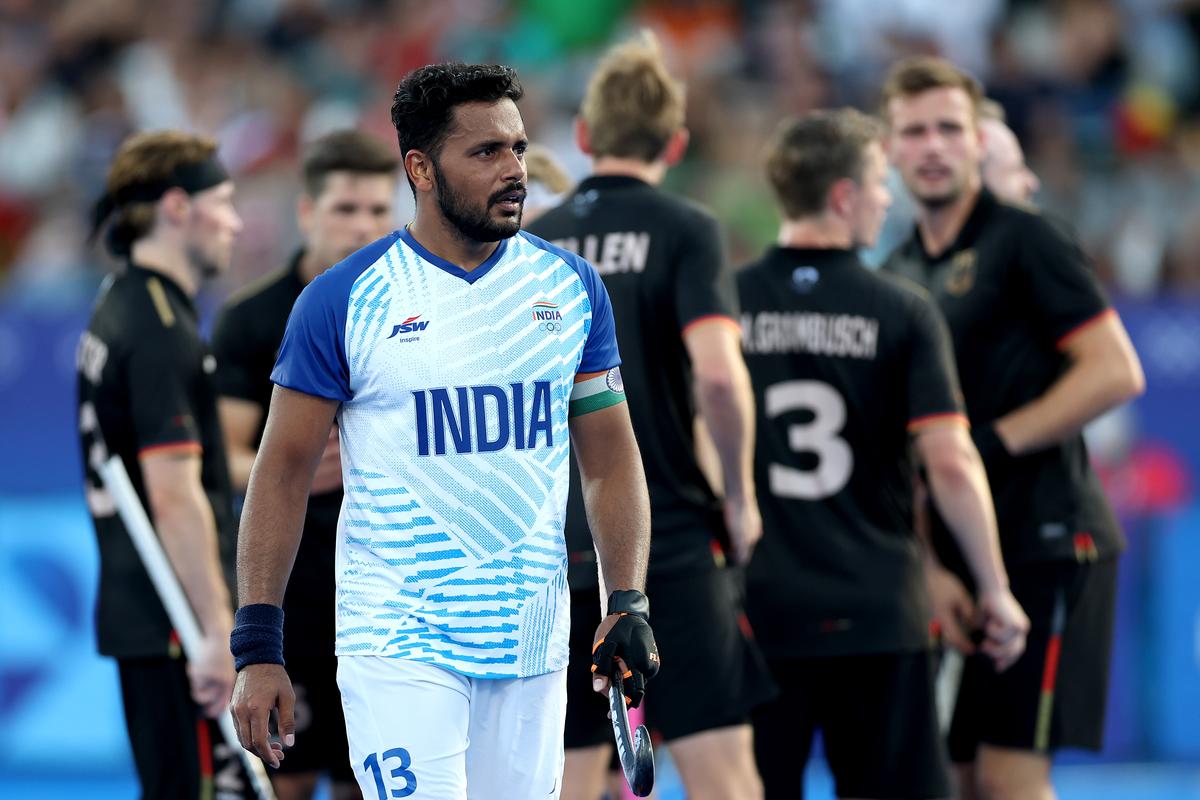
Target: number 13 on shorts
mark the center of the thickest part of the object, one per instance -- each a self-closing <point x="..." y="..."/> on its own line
<point x="396" y="763"/>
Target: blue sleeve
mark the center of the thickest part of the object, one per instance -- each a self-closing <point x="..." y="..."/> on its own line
<point x="600" y="353"/>
<point x="312" y="358"/>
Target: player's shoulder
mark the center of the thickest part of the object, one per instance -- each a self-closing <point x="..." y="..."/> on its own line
<point x="576" y="262"/>
<point x="117" y="306"/>
<point x="136" y="312"/>
<point x="753" y="271"/>
<point x="1011" y="209"/>
<point x="1026" y="223"/>
<point x="896" y="287"/>
<point x="137" y="302"/>
<point x="552" y="219"/>
<point x="905" y="301"/>
<point x="259" y="295"/>
<point x="906" y="252"/>
<point x="682" y="211"/>
<point x="335" y="285"/>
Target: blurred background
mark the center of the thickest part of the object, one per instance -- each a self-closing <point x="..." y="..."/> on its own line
<point x="1104" y="95"/>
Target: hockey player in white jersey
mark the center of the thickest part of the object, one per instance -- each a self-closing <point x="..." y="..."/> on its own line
<point x="457" y="356"/>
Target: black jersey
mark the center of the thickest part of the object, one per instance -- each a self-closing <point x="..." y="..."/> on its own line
<point x="145" y="384"/>
<point x="1014" y="287"/>
<point x="246" y="339"/>
<point x="844" y="364"/>
<point x="662" y="262"/>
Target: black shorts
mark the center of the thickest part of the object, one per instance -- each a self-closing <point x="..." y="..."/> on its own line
<point x="1054" y="696"/>
<point x="321" y="744"/>
<point x="878" y="720"/>
<point x="712" y="673"/>
<point x="177" y="751"/>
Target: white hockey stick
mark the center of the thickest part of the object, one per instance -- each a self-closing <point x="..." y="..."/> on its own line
<point x="129" y="506"/>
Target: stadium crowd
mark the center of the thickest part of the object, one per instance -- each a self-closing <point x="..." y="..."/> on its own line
<point x="1105" y="95"/>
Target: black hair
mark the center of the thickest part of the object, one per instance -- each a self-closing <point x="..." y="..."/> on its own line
<point x="424" y="103"/>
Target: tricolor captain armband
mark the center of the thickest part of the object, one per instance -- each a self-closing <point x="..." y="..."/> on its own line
<point x="596" y="393"/>
<point x="257" y="636"/>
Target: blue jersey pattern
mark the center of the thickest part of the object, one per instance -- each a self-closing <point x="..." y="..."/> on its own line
<point x="454" y="390"/>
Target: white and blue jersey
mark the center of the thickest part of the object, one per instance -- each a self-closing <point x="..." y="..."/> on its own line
<point x="455" y="389"/>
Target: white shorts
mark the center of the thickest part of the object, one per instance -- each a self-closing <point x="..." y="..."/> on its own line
<point x="421" y="731"/>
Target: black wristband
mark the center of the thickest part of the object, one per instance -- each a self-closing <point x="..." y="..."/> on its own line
<point x="629" y="601"/>
<point x="991" y="447"/>
<point x="257" y="636"/>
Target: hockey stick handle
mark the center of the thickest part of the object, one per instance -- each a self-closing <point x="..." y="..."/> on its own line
<point x="166" y="584"/>
<point x="634" y="749"/>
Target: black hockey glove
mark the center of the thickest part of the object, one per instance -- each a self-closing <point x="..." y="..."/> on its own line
<point x="630" y="640"/>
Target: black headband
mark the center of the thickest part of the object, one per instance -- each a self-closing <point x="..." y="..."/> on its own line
<point x="195" y="176"/>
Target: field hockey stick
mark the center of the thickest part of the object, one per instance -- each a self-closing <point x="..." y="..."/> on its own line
<point x="635" y="750"/>
<point x="145" y="540"/>
<point x="949" y="676"/>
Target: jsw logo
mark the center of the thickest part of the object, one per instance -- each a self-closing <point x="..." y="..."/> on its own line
<point x="410" y="325"/>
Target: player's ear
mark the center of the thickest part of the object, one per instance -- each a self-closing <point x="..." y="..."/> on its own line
<point x="174" y="205"/>
<point x="420" y="169"/>
<point x="676" y="147"/>
<point x="841" y="196"/>
<point x="583" y="137"/>
<point x="304" y="212"/>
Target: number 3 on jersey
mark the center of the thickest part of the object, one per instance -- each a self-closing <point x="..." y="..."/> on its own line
<point x="400" y="773"/>
<point x="820" y="436"/>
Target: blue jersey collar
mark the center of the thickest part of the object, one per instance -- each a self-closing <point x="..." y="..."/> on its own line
<point x="452" y="268"/>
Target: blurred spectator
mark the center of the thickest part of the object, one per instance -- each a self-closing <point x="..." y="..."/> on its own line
<point x="1104" y="94"/>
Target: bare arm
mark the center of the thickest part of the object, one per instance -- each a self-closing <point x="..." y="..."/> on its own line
<point x="273" y="516"/>
<point x="618" y="511"/>
<point x="185" y="524"/>
<point x="726" y="404"/>
<point x="272" y="524"/>
<point x="239" y="422"/>
<point x="726" y="401"/>
<point x="959" y="488"/>
<point x="952" y="605"/>
<point x="614" y="494"/>
<point x="184" y="520"/>
<point x="1104" y="373"/>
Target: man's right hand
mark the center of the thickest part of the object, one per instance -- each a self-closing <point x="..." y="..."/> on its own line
<point x="953" y="609"/>
<point x="260" y="689"/>
<point x="624" y="644"/>
<point x="1005" y="627"/>
<point x="211" y="675"/>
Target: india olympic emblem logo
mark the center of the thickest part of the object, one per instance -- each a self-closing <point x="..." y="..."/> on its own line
<point x="547" y="316"/>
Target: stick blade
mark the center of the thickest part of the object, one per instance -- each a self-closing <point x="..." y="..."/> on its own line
<point x="642" y="779"/>
<point x="635" y="751"/>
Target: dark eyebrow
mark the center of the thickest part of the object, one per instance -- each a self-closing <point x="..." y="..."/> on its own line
<point x="499" y="143"/>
